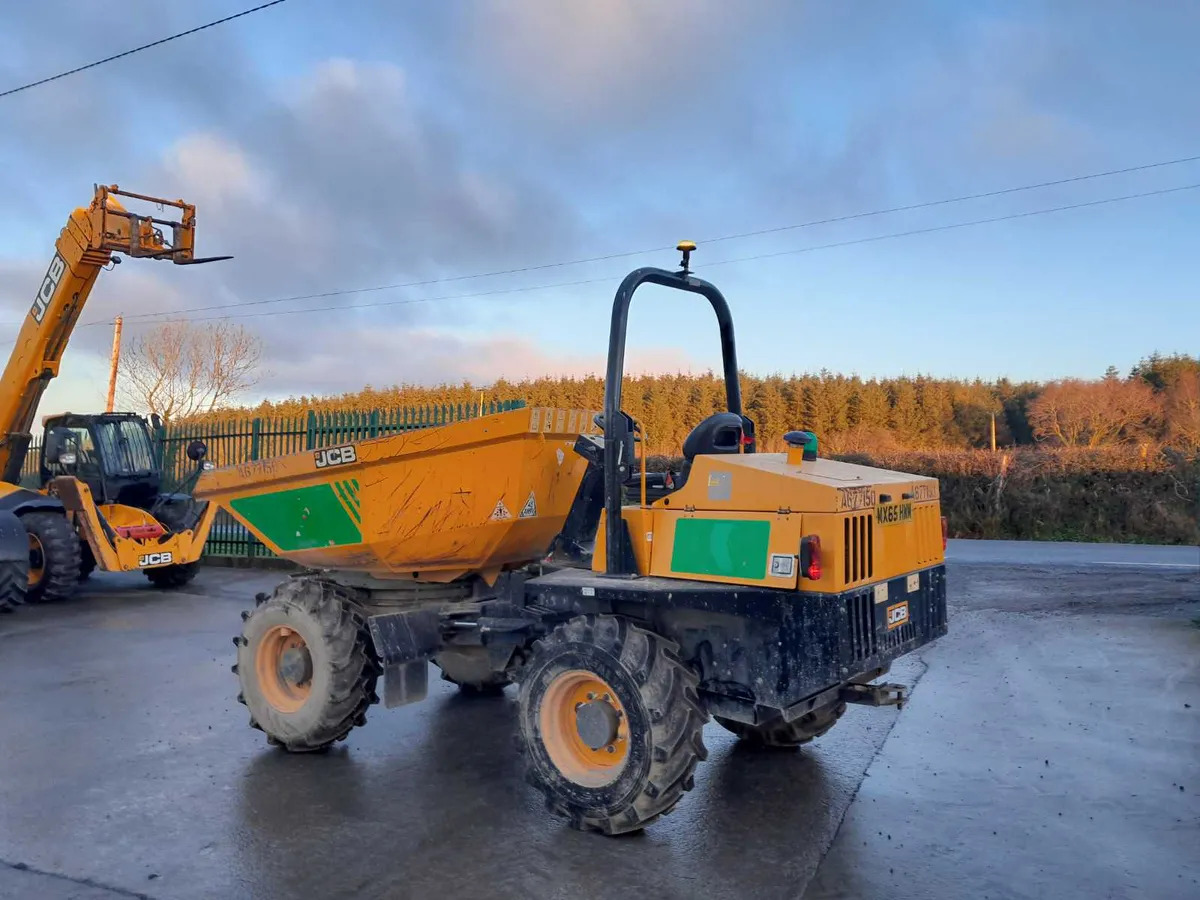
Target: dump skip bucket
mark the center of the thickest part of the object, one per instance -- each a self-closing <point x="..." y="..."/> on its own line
<point x="435" y="504"/>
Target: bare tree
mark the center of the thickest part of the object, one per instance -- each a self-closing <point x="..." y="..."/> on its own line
<point x="1077" y="413"/>
<point x="1183" y="411"/>
<point x="180" y="369"/>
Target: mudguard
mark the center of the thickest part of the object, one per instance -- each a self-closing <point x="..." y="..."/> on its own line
<point x="21" y="500"/>
<point x="14" y="542"/>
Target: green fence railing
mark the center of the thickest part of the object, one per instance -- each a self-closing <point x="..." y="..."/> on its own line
<point x="245" y="439"/>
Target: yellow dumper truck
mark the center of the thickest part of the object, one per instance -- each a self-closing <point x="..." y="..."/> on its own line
<point x="765" y="590"/>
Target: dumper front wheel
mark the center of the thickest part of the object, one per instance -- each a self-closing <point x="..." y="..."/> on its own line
<point x="785" y="735"/>
<point x="611" y="722"/>
<point x="306" y="666"/>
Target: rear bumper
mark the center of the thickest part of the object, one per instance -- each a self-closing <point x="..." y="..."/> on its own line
<point x="793" y="656"/>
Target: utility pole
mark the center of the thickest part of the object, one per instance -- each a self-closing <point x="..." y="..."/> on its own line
<point x="114" y="361"/>
<point x="993" y="432"/>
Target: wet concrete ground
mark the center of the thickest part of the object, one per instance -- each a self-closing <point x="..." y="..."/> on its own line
<point x="1051" y="748"/>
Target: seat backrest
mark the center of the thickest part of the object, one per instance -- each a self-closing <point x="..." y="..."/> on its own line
<point x="719" y="433"/>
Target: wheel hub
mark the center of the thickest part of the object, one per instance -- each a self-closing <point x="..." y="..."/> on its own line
<point x="295" y="665"/>
<point x="584" y="728"/>
<point x="597" y="722"/>
<point x="284" y="668"/>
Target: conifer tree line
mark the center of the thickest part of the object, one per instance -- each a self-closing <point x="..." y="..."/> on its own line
<point x="1157" y="403"/>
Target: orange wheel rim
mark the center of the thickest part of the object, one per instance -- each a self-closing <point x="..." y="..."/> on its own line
<point x="283" y="665"/>
<point x="584" y="728"/>
<point x="37" y="561"/>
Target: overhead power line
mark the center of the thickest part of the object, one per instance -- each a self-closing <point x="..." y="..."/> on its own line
<point x="160" y="41"/>
<point x="723" y="262"/>
<point x="927" y="204"/>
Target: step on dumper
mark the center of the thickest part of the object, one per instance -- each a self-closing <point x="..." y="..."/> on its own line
<point x="764" y="590"/>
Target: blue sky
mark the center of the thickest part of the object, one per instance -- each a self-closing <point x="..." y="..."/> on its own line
<point x="364" y="143"/>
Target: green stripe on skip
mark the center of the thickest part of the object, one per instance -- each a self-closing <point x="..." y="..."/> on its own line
<point x="300" y="519"/>
<point x="348" y="499"/>
<point x="723" y="547"/>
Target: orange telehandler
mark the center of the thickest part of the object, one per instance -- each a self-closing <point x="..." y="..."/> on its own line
<point x="99" y="501"/>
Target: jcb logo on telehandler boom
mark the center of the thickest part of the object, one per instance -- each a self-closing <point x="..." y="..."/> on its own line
<point x="49" y="285"/>
<point x="335" y="456"/>
<point x="154" y="559"/>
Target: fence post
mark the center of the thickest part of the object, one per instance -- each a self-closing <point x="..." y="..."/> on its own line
<point x="310" y="432"/>
<point x="373" y="426"/>
<point x="255" y="437"/>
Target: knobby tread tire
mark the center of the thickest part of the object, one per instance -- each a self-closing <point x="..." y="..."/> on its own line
<point x="61" y="553"/>
<point x="345" y="670"/>
<point x="14" y="579"/>
<point x="786" y="735"/>
<point x="666" y="719"/>
<point x="172" y="576"/>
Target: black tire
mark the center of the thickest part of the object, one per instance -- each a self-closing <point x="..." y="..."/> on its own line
<point x="172" y="576"/>
<point x="469" y="669"/>
<point x="340" y="665"/>
<point x="57" y="556"/>
<point x="14" y="581"/>
<point x="659" y="707"/>
<point x="87" y="562"/>
<point x="786" y="735"/>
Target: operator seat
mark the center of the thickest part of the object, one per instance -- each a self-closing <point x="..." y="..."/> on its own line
<point x="724" y="432"/>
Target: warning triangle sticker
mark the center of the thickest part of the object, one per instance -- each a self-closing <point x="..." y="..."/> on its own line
<point x="529" y="510"/>
<point x="501" y="511"/>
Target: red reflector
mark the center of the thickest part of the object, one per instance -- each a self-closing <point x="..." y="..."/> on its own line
<point x="747" y="440"/>
<point x="810" y="557"/>
<point x="944" y="532"/>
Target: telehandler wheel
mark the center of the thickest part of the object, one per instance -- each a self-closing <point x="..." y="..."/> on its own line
<point x="469" y="669"/>
<point x="786" y="735"/>
<point x="87" y="562"/>
<point x="611" y="723"/>
<point x="14" y="582"/>
<point x="54" y="557"/>
<point x="172" y="576"/>
<point x="306" y="666"/>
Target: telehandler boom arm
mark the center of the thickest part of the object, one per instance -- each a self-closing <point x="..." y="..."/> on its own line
<point x="84" y="247"/>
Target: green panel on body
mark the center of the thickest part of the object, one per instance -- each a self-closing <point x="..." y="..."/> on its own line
<point x="300" y="519"/>
<point x="730" y="548"/>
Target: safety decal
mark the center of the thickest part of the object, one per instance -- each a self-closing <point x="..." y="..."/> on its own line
<point x="500" y="513"/>
<point x="529" y="510"/>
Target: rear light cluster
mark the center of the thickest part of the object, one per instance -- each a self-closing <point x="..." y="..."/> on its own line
<point x="810" y="557"/>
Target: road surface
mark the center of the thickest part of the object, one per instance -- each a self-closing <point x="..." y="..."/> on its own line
<point x="1051" y="748"/>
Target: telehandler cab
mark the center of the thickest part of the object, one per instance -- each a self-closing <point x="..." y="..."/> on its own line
<point x="766" y="590"/>
<point x="99" y="499"/>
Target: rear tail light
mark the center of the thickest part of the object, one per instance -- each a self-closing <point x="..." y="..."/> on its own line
<point x="810" y="557"/>
<point x="944" y="532"/>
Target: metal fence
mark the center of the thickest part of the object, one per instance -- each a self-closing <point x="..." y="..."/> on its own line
<point x="242" y="440"/>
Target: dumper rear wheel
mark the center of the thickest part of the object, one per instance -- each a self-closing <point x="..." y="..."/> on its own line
<point x="306" y="666"/>
<point x="611" y="722"/>
<point x="785" y="735"/>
